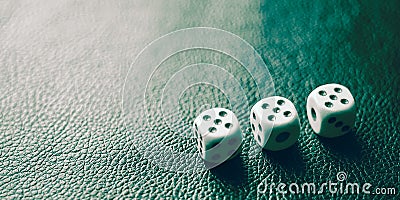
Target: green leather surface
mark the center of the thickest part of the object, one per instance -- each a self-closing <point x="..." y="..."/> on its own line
<point x="62" y="71"/>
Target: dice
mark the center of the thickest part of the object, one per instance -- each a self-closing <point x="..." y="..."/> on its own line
<point x="275" y="123"/>
<point x="218" y="135"/>
<point x="331" y="110"/>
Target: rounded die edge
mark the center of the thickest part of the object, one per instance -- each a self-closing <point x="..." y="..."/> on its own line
<point x="314" y="123"/>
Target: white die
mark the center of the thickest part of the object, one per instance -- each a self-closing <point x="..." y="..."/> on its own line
<point x="275" y="123"/>
<point x="331" y="110"/>
<point x="218" y="135"/>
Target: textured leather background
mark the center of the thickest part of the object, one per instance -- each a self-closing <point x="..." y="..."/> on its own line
<point x="63" y="65"/>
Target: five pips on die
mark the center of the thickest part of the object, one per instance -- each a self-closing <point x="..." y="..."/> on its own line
<point x="274" y="122"/>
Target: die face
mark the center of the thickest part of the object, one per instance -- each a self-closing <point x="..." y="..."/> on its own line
<point x="337" y="124"/>
<point x="331" y="110"/>
<point x="275" y="123"/>
<point x="284" y="136"/>
<point x="218" y="134"/>
<point x="262" y="120"/>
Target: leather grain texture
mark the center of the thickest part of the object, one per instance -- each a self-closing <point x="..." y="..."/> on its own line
<point x="63" y="64"/>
